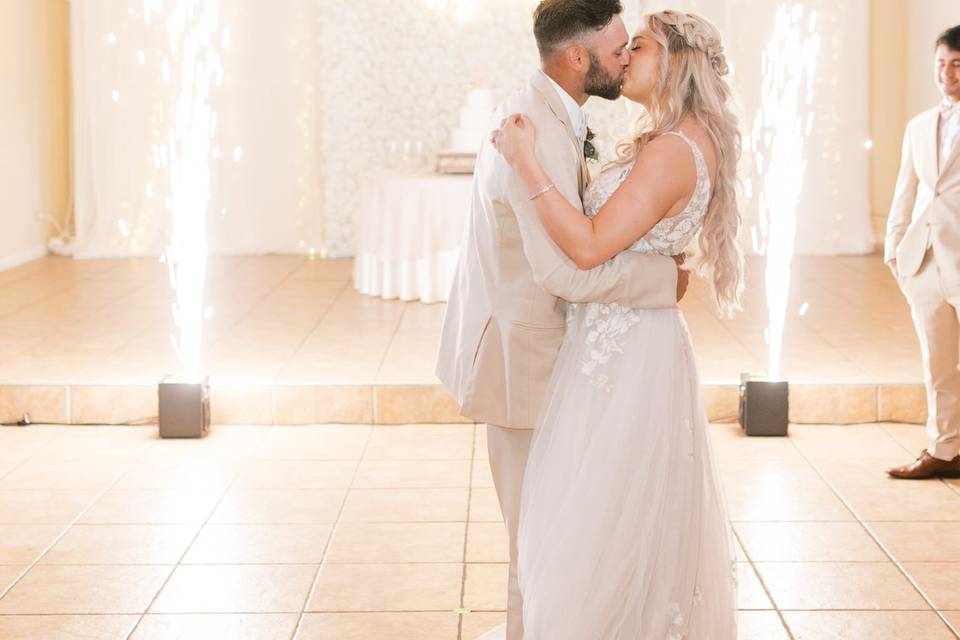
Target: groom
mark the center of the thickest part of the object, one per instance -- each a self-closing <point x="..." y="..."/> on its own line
<point x="923" y="252"/>
<point x="505" y="319"/>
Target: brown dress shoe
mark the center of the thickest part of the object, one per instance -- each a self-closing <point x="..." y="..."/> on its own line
<point x="926" y="466"/>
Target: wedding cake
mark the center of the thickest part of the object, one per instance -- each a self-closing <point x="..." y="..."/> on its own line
<point x="474" y="122"/>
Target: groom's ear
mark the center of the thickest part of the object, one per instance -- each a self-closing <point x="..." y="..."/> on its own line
<point x="577" y="57"/>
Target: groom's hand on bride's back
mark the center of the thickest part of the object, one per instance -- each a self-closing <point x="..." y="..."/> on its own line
<point x="683" y="276"/>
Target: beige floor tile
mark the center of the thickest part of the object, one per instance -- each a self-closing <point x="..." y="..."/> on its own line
<point x="152" y="506"/>
<point x="421" y="442"/>
<point x="54" y="589"/>
<point x="397" y="542"/>
<point x="476" y="623"/>
<point x="82" y="442"/>
<point x="485" y="588"/>
<point x="23" y="543"/>
<point x="938" y="580"/>
<point x="74" y="475"/>
<point x="484" y="505"/>
<point x="406" y="505"/>
<point x="760" y="625"/>
<point x="750" y="591"/>
<point x="59" y="627"/>
<point x="168" y="471"/>
<point x="902" y="501"/>
<point x="297" y="474"/>
<point x="279" y="506"/>
<point x="487" y="542"/>
<point x="43" y="507"/>
<point x="388" y="587"/>
<point x="8" y="574"/>
<point x="868" y="625"/>
<point x="315" y="443"/>
<point x="121" y="544"/>
<point x="920" y="541"/>
<point x="954" y="618"/>
<point x="808" y="541"/>
<point x="8" y="465"/>
<point x="843" y="444"/>
<point x="730" y="442"/>
<point x="481" y="477"/>
<point x="774" y="499"/>
<point x="839" y="585"/>
<point x="403" y="474"/>
<point x="23" y="442"/>
<point x="235" y="588"/>
<point x="383" y="626"/>
<point x="259" y="544"/>
<point x="207" y="626"/>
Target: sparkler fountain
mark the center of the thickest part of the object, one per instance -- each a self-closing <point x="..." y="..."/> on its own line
<point x="191" y="27"/>
<point x="777" y="142"/>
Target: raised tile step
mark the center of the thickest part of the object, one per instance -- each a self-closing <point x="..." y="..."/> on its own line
<point x="412" y="403"/>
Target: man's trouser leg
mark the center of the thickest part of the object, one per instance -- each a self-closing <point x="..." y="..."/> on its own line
<point x="934" y="311"/>
<point x="508" y="449"/>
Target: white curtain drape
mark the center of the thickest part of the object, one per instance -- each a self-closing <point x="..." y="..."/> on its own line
<point x="266" y="180"/>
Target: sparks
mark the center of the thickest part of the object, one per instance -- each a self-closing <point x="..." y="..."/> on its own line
<point x="191" y="26"/>
<point x="779" y="129"/>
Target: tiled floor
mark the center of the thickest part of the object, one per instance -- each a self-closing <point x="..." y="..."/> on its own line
<point x="287" y="319"/>
<point x="359" y="532"/>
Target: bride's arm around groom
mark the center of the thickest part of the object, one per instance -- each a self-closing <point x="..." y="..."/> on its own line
<point x="631" y="279"/>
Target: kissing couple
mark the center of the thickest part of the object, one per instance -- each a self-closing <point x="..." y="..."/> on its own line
<point x="563" y="333"/>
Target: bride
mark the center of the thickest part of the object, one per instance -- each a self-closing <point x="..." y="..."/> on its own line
<point x="623" y="533"/>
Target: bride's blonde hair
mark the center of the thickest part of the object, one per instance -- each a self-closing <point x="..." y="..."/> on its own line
<point x="691" y="81"/>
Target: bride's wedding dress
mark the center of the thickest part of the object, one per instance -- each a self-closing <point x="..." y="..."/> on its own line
<point x="623" y="532"/>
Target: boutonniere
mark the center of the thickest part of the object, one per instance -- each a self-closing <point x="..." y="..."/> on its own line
<point x="589" y="150"/>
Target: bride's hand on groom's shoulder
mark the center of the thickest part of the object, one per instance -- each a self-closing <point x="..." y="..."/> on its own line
<point x="516" y="140"/>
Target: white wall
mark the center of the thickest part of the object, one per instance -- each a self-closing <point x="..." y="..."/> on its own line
<point x="33" y="125"/>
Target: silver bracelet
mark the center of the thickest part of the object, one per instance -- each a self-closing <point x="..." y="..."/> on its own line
<point x="542" y="191"/>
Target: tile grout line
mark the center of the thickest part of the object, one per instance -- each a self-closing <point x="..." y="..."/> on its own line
<point x="186" y="549"/>
<point x="76" y="519"/>
<point x="333" y="531"/>
<point x="393" y="336"/>
<point x="466" y="534"/>
<point x="876" y="539"/>
<point x="763" y="584"/>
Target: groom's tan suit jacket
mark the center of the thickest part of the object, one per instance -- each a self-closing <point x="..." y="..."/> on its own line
<point x="505" y="318"/>
<point x="926" y="205"/>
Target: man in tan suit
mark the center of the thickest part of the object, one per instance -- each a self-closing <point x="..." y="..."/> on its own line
<point x="923" y="251"/>
<point x="505" y="318"/>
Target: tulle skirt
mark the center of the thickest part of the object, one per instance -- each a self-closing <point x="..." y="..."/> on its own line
<point x="623" y="531"/>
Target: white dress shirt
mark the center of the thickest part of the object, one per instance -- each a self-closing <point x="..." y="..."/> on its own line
<point x="577" y="117"/>
<point x="949" y="130"/>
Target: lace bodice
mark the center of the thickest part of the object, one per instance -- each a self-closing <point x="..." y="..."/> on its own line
<point x="671" y="235"/>
<point x="608" y="324"/>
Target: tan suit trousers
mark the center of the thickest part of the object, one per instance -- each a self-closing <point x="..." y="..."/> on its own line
<point x="508" y="450"/>
<point x="934" y="304"/>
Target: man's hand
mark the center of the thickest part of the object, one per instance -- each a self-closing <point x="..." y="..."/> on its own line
<point x="893" y="268"/>
<point x="683" y="276"/>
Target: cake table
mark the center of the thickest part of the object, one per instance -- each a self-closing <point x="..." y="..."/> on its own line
<point x="409" y="230"/>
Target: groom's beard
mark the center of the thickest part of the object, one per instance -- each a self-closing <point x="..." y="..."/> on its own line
<point x="600" y="83"/>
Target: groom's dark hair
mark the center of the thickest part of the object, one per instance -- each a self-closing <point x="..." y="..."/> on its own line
<point x="556" y="22"/>
<point x="950" y="38"/>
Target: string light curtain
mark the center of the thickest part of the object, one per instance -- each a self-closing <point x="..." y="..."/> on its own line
<point x="318" y="93"/>
<point x="266" y="181"/>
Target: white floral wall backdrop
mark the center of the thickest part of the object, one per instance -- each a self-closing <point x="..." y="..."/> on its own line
<point x="318" y="93"/>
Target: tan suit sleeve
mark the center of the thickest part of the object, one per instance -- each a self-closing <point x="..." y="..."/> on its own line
<point x="904" y="198"/>
<point x="642" y="281"/>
